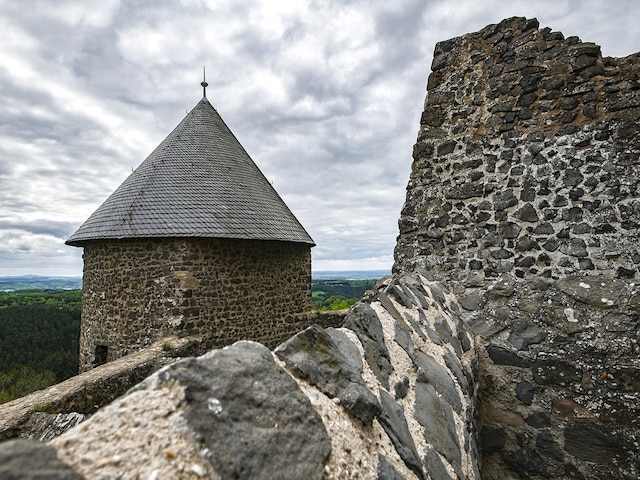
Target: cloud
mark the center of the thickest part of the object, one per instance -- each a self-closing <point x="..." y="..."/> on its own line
<point x="325" y="95"/>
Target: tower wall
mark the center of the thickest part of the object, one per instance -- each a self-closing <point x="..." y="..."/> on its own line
<point x="136" y="291"/>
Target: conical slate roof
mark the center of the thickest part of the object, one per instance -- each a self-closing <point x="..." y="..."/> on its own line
<point x="199" y="182"/>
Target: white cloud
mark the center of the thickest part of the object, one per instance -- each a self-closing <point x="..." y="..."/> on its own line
<point x="325" y="95"/>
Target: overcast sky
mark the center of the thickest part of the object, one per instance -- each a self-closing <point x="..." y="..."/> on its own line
<point x="324" y="95"/>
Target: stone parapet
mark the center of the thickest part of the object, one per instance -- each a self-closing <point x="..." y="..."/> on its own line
<point x="391" y="394"/>
<point x="46" y="413"/>
<point x="559" y="376"/>
<point x="524" y="200"/>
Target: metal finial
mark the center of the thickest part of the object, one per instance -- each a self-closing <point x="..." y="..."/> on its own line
<point x="204" y="83"/>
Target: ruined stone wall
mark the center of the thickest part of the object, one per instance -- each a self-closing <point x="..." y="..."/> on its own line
<point x="523" y="200"/>
<point x="527" y="159"/>
<point x="136" y="291"/>
<point x="46" y="413"/>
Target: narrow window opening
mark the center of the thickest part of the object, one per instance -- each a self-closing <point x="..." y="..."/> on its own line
<point x="100" y="356"/>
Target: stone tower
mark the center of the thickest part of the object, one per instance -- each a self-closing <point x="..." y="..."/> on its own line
<point x="194" y="242"/>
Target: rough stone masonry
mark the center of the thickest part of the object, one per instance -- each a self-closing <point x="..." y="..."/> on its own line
<point x="523" y="200"/>
<point x="526" y="160"/>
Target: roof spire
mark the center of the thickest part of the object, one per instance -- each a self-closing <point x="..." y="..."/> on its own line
<point x="204" y="83"/>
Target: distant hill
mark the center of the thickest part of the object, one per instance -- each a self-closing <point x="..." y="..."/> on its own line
<point x="349" y="274"/>
<point x="43" y="282"/>
<point x="39" y="282"/>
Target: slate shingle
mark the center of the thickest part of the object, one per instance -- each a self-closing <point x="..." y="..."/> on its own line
<point x="199" y="182"/>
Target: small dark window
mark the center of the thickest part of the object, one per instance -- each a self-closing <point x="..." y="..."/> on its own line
<point x="101" y="355"/>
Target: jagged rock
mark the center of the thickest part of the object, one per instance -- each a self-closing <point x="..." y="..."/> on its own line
<point x="401" y="388"/>
<point x="362" y="319"/>
<point x="416" y="327"/>
<point x="539" y="419"/>
<point x="394" y="423"/>
<point x="444" y="330"/>
<point x="435" y="467"/>
<point x="432" y="372"/>
<point x="527" y="213"/>
<point x="473" y="301"/>
<point x="403" y="338"/>
<point x="597" y="291"/>
<point x="525" y="392"/>
<point x="241" y="403"/>
<point x="527" y="462"/>
<point x="550" y="129"/>
<point x="524" y="333"/>
<point x="46" y="426"/>
<point x="555" y="371"/>
<point x="454" y="366"/>
<point x="314" y="355"/>
<point x="386" y="471"/>
<point x="503" y="288"/>
<point x="219" y="414"/>
<point x="547" y="446"/>
<point x="503" y="356"/>
<point x="439" y="428"/>
<point x="486" y="325"/>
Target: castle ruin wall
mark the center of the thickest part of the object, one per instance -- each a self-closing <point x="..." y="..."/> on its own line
<point x="524" y="200"/>
<point x="527" y="159"/>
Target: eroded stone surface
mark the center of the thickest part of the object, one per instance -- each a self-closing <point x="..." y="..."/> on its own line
<point x="365" y="323"/>
<point x="394" y="423"/>
<point x="240" y="404"/>
<point x="218" y="415"/>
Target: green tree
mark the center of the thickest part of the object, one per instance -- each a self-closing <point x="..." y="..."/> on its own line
<point x="39" y="338"/>
<point x="21" y="380"/>
<point x="337" y="302"/>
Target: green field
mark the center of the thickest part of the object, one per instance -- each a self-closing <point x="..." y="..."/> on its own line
<point x="338" y="294"/>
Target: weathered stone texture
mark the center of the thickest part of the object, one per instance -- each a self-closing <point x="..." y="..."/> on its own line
<point x="68" y="402"/>
<point x="558" y="376"/>
<point x="527" y="159"/>
<point x="30" y="460"/>
<point x="136" y="291"/>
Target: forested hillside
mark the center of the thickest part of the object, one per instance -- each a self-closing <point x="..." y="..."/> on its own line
<point x="338" y="294"/>
<point x="39" y="333"/>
